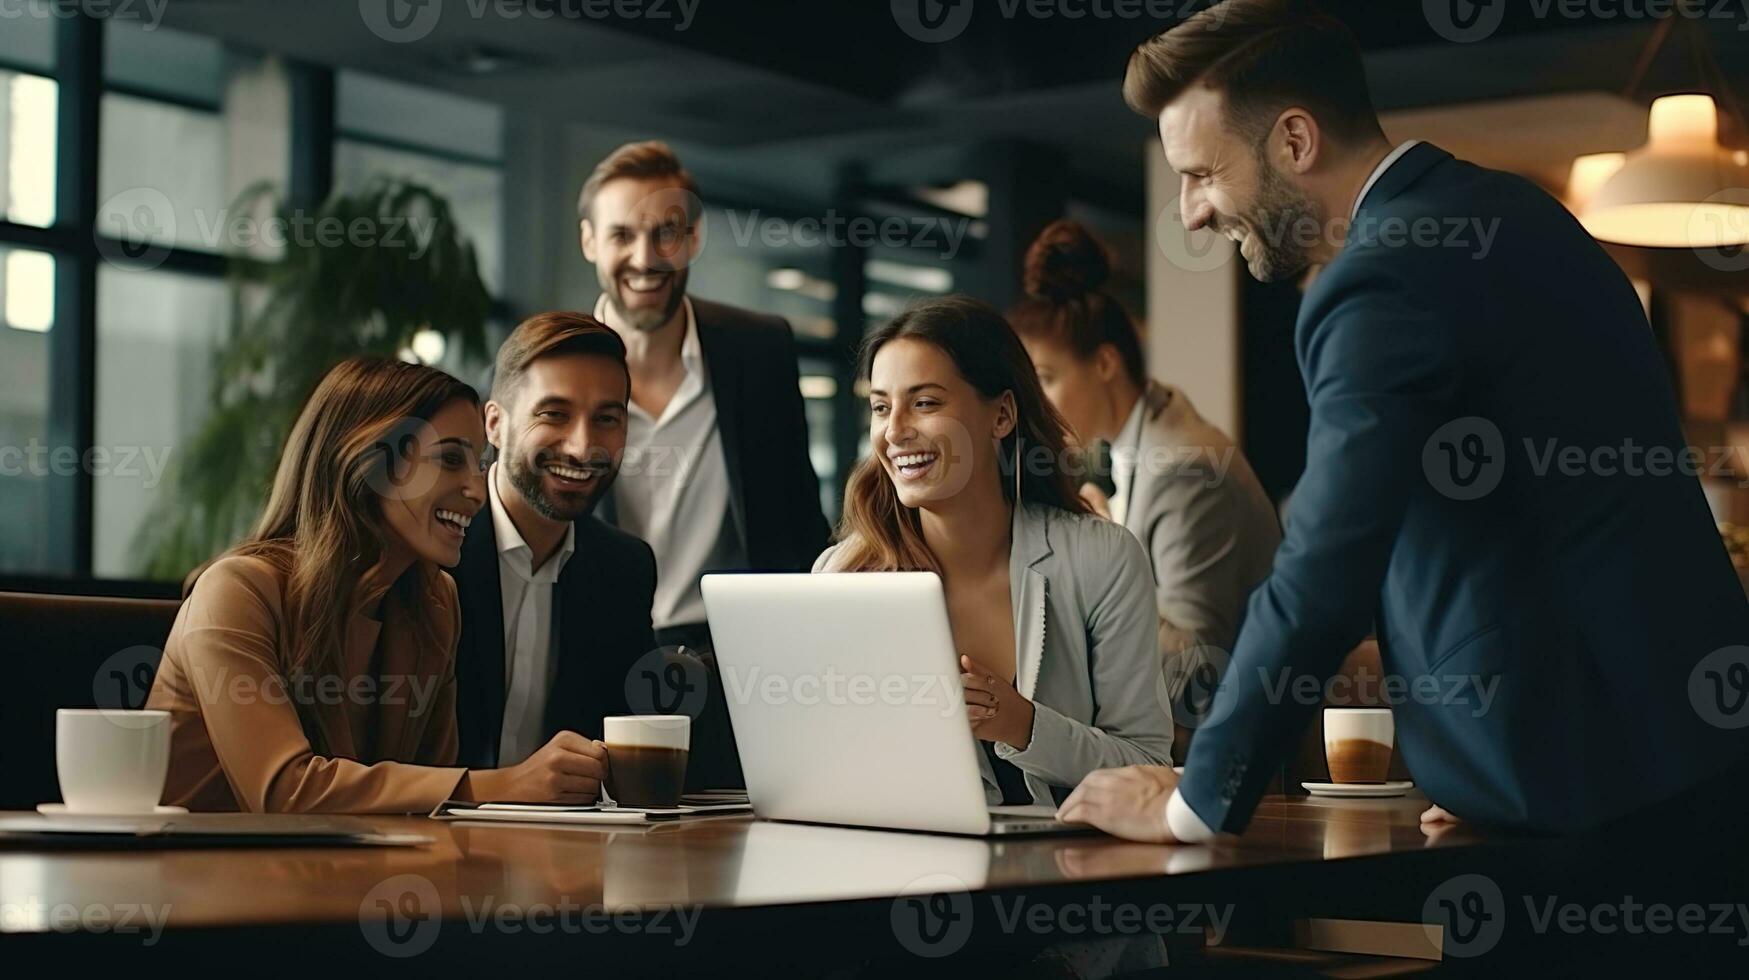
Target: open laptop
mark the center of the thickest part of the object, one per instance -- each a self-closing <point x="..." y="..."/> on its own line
<point x="844" y="692"/>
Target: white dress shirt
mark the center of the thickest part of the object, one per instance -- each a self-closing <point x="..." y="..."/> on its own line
<point x="673" y="489"/>
<point x="530" y="641"/>
<point x="1123" y="460"/>
<point x="1390" y="159"/>
<point x="1180" y="818"/>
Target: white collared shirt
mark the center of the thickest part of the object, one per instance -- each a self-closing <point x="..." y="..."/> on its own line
<point x="1390" y="159"/>
<point x="673" y="488"/>
<point x="1180" y="818"/>
<point x="530" y="641"/>
<point x="1123" y="459"/>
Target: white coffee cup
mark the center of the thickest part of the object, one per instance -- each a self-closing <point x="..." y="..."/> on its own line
<point x="111" y="760"/>
<point x="646" y="758"/>
<point x="1358" y="743"/>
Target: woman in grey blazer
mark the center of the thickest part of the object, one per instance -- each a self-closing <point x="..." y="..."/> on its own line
<point x="1180" y="484"/>
<point x="1051" y="607"/>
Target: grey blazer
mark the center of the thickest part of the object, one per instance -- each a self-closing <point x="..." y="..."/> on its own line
<point x="1085" y="653"/>
<point x="1210" y="530"/>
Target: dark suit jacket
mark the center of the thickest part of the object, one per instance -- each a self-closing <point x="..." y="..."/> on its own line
<point x="602" y="605"/>
<point x="1583" y="597"/>
<point x="774" y="495"/>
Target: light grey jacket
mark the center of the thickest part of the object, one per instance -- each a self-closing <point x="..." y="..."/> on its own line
<point x="1085" y="653"/>
<point x="1210" y="530"/>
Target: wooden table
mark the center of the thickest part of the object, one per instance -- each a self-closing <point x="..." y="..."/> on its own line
<point x="710" y="894"/>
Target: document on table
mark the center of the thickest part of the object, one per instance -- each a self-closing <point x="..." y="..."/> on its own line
<point x="594" y="813"/>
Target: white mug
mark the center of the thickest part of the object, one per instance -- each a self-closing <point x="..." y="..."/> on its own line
<point x="111" y="760"/>
<point x="1358" y="743"/>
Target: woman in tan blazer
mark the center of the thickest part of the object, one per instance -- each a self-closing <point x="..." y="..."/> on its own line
<point x="312" y="668"/>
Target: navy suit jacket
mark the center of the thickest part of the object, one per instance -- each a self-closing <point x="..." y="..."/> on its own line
<point x="602" y="605"/>
<point x="1491" y="481"/>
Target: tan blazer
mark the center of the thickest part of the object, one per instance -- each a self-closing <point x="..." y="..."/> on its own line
<point x="381" y="739"/>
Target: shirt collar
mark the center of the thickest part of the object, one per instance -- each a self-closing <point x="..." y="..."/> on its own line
<point x="1384" y="165"/>
<point x="510" y="540"/>
<point x="691" y="352"/>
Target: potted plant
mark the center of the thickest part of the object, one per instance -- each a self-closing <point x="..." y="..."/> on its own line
<point x="326" y="298"/>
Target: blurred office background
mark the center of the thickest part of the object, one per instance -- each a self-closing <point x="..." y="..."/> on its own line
<point x="850" y="161"/>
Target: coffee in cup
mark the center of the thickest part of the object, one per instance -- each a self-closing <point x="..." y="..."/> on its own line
<point x="111" y="760"/>
<point x="1357" y="744"/>
<point x="646" y="758"/>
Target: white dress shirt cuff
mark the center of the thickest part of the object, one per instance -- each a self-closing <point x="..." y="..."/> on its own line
<point x="1184" y="823"/>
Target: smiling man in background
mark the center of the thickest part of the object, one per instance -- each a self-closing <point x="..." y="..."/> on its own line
<point x="717" y="475"/>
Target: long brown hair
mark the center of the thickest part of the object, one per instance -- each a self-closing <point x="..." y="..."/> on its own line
<point x="323" y="524"/>
<point x="880" y="534"/>
<point x="1065" y="268"/>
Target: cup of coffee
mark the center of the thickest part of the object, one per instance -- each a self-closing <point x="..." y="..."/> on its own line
<point x="110" y="760"/>
<point x="646" y="758"/>
<point x="1357" y="744"/>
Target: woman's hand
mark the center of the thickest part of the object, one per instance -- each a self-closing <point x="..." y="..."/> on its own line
<point x="569" y="769"/>
<point x="997" y="711"/>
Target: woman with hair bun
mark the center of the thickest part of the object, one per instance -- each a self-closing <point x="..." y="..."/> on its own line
<point x="1180" y="484"/>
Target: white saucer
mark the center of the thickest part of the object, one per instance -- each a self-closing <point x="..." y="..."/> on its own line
<point x="60" y="810"/>
<point x="1359" y="791"/>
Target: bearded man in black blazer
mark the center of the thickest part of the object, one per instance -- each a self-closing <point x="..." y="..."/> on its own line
<point x="716" y="475"/>
<point x="555" y="603"/>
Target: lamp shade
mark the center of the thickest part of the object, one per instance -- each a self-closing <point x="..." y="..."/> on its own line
<point x="1589" y="174"/>
<point x="1681" y="190"/>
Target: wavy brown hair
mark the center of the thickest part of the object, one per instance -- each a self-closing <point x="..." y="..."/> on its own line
<point x="323" y="525"/>
<point x="880" y="534"/>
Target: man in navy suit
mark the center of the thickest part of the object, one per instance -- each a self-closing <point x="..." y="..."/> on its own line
<point x="1496" y="477"/>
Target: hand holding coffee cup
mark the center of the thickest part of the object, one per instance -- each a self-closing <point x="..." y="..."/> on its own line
<point x="1357" y="744"/>
<point x="646" y="758"/>
<point x="110" y="760"/>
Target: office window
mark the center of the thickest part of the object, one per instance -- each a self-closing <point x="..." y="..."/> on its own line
<point x="156" y="333"/>
<point x="172" y="65"/>
<point x="186" y="126"/>
<point x="27" y="38"/>
<point x="161" y="174"/>
<point x="182" y="131"/>
<point x="27" y="460"/>
<point x="475" y="193"/>
<point x="28" y="129"/>
<point x="450" y="144"/>
<point x="774" y="264"/>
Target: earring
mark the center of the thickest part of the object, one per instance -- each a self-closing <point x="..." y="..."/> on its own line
<point x="1017" y="467"/>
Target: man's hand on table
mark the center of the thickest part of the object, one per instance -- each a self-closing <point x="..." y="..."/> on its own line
<point x="1436" y="822"/>
<point x="1128" y="803"/>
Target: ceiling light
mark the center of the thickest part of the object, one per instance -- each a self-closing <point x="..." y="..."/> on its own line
<point x="1681" y="190"/>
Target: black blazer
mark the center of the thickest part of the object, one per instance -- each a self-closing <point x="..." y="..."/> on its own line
<point x="774" y="495"/>
<point x="602" y="606"/>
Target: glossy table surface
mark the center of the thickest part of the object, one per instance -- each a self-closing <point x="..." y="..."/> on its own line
<point x="722" y="863"/>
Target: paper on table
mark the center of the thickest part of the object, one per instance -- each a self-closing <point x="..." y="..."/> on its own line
<point x="538" y="816"/>
<point x="549" y="813"/>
